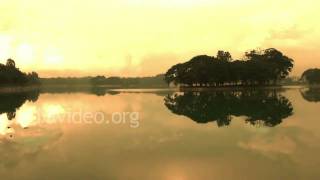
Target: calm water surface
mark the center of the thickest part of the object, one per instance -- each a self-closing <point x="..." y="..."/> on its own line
<point x="137" y="134"/>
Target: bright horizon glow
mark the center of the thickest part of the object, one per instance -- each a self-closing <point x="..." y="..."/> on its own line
<point x="25" y="54"/>
<point x="143" y="38"/>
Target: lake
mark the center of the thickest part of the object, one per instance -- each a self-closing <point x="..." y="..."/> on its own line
<point x="161" y="134"/>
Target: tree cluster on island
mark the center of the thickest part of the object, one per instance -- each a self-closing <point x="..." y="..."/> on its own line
<point x="11" y="75"/>
<point x="263" y="67"/>
<point x="312" y="76"/>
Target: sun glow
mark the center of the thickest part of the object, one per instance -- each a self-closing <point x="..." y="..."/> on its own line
<point x="51" y="111"/>
<point x="25" y="54"/>
<point x="26" y="116"/>
<point x="4" y="124"/>
<point x="52" y="56"/>
<point x="172" y="3"/>
<point x="53" y="59"/>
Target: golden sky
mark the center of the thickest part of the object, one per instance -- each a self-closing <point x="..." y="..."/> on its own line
<point x="146" y="37"/>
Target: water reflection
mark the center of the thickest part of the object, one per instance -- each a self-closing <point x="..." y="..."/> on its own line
<point x="17" y="142"/>
<point x="266" y="108"/>
<point x="9" y="105"/>
<point x="98" y="91"/>
<point x="11" y="102"/>
<point x="311" y="94"/>
<point x="117" y="151"/>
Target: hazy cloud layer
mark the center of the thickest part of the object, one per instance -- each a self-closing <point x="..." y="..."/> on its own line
<point x="139" y="37"/>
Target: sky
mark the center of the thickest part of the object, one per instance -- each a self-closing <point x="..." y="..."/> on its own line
<point x="144" y="37"/>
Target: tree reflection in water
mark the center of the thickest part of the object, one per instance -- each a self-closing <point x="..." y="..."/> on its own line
<point x="311" y="94"/>
<point x="260" y="107"/>
<point x="11" y="102"/>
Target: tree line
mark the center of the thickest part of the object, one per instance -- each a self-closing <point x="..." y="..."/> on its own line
<point x="11" y="75"/>
<point x="154" y="81"/>
<point x="256" y="68"/>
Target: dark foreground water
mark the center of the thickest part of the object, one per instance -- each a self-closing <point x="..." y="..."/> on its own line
<point x="159" y="134"/>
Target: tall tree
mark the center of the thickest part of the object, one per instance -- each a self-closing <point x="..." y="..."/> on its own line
<point x="11" y="63"/>
<point x="224" y="56"/>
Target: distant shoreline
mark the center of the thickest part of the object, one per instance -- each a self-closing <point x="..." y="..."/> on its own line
<point x="48" y="88"/>
<point x="18" y="89"/>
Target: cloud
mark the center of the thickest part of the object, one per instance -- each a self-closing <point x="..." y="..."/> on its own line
<point x="97" y="36"/>
<point x="278" y="144"/>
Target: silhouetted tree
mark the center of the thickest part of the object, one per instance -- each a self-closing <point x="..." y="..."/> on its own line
<point x="11" y="63"/>
<point x="10" y="75"/>
<point x="258" y="68"/>
<point x="224" y="56"/>
<point x="312" y="76"/>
